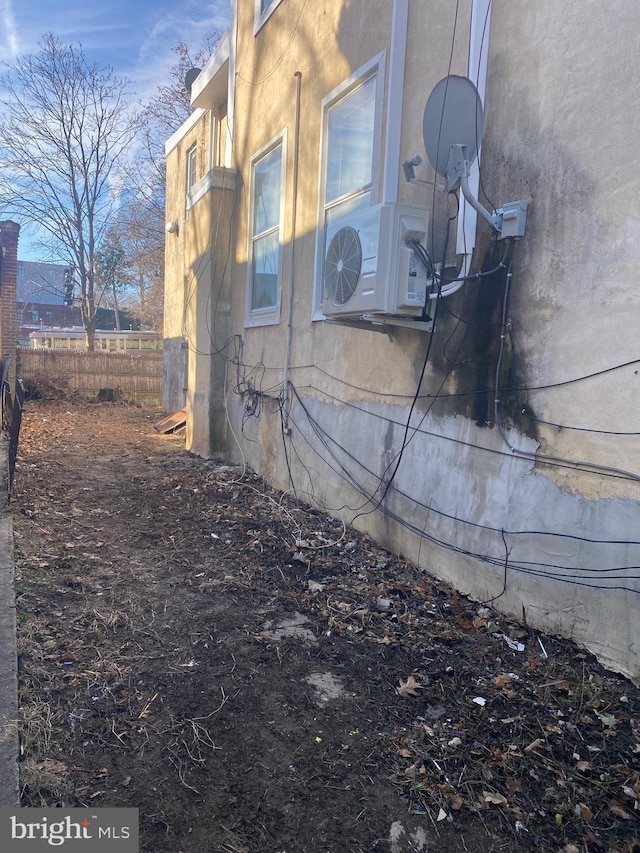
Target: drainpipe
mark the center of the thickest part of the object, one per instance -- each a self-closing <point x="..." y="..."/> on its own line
<point x="479" y="28"/>
<point x="395" y="94"/>
<point x="231" y="84"/>
<point x="294" y="207"/>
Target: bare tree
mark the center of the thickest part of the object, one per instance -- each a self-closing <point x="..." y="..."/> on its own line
<point x="65" y="128"/>
<point x="142" y="215"/>
<point x="131" y="263"/>
<point x="170" y="105"/>
<point x="110" y="270"/>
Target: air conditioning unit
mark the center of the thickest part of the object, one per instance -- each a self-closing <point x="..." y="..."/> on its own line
<point x="370" y="268"/>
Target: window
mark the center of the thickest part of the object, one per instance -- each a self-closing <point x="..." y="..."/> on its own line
<point x="35" y="316"/>
<point x="350" y="131"/>
<point x="265" y="226"/>
<point x="264" y="10"/>
<point x="48" y="318"/>
<point x="192" y="166"/>
<point x="350" y="156"/>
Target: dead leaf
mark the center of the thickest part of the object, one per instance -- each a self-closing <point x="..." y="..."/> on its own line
<point x="583" y="811"/>
<point x="496" y="799"/>
<point x="409" y="687"/>
<point x="456" y="802"/>
<point x="51" y="765"/>
<point x="583" y="766"/>
<point x="607" y="720"/>
<point x="502" y="680"/>
<point x="619" y="811"/>
<point x="405" y="753"/>
<point x="534" y="744"/>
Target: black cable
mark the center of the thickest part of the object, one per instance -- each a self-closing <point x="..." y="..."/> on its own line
<point x="416" y="396"/>
<point x="525" y="411"/>
<point x="417" y="429"/>
<point x="535" y="455"/>
<point x="325" y="437"/>
<point x="510" y="389"/>
<point x="504" y="578"/>
<point x="524" y="568"/>
<point x="419" y="248"/>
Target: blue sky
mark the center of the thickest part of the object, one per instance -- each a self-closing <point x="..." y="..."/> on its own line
<point x="134" y="37"/>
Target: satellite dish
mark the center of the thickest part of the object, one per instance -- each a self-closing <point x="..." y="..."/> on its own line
<point x="453" y="116"/>
<point x="190" y="77"/>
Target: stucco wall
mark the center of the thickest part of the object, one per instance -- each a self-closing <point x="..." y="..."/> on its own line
<point x="529" y="515"/>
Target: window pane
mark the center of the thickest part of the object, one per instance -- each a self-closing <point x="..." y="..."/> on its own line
<point x="266" y="192"/>
<point x="350" y="142"/>
<point x="266" y="255"/>
<point x="349" y="206"/>
<point x="192" y="165"/>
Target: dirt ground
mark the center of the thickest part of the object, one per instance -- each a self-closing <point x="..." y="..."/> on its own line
<point x="255" y="678"/>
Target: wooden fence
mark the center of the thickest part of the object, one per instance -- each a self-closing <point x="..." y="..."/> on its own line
<point x="137" y="376"/>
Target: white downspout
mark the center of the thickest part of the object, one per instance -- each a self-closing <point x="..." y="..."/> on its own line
<point x="231" y="84"/>
<point x="395" y="94"/>
<point x="479" y="28"/>
<point x="294" y="207"/>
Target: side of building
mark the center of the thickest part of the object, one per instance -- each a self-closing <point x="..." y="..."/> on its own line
<point x="492" y="438"/>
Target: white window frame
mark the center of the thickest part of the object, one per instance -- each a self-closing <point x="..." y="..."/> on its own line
<point x="266" y="316"/>
<point x="261" y="17"/>
<point x="190" y="176"/>
<point x="192" y="166"/>
<point x="374" y="68"/>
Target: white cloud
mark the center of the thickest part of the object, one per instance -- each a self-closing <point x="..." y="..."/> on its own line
<point x="9" y="46"/>
<point x="187" y="22"/>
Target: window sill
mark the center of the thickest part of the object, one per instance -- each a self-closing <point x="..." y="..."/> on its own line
<point x="268" y="318"/>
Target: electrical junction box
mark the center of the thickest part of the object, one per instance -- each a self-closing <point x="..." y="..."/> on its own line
<point x="512" y="219"/>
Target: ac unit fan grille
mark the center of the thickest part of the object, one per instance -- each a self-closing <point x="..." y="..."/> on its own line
<point x="342" y="265"/>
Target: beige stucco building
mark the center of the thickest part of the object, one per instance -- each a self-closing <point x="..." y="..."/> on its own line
<point x="491" y="436"/>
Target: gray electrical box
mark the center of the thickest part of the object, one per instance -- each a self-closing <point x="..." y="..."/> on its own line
<point x="512" y="219"/>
